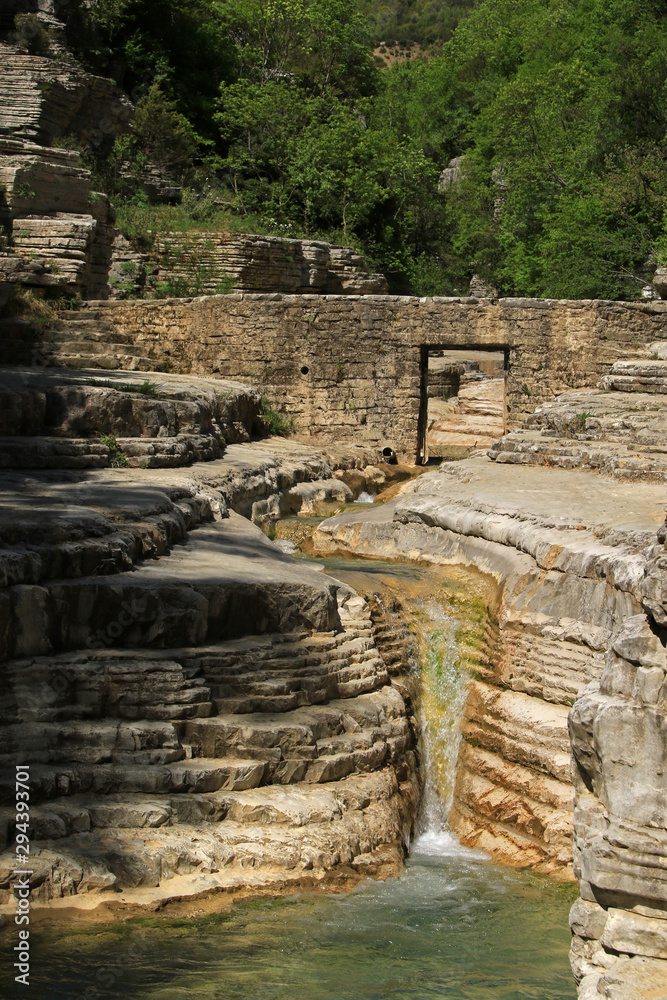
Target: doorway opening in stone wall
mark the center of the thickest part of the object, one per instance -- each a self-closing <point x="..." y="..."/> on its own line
<point x="463" y="400"/>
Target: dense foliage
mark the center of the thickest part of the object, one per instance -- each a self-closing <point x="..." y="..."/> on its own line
<point x="277" y="110"/>
<point x="426" y="23"/>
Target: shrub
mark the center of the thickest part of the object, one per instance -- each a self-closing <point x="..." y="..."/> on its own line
<point x="31" y="36"/>
<point x="117" y="458"/>
<point x="161" y="134"/>
<point x="275" y="422"/>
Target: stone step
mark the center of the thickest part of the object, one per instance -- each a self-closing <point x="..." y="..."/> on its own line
<point x="649" y="466"/>
<point x="302" y="733"/>
<point x="631" y="458"/>
<point x="641" y="375"/>
<point x="328" y="760"/>
<point x="250" y="695"/>
<point x="227" y="580"/>
<point x="92" y="327"/>
<point x="95" y="742"/>
<point x="64" y="403"/>
<point x="110" y="357"/>
<point x="199" y="774"/>
<point x="170" y="452"/>
<point x="290" y="828"/>
<point x="37" y="452"/>
<point x="305" y="658"/>
<point x="89" y="338"/>
<point x="45" y="690"/>
<point x="186" y="775"/>
<point x="79" y="814"/>
<point x="247" y="704"/>
<point x="52" y="453"/>
<point x="196" y="774"/>
<point x="210" y="791"/>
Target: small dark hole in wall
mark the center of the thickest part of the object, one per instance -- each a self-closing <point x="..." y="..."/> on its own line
<point x="304" y="369"/>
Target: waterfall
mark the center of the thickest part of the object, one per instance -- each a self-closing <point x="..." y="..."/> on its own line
<point x="443" y="695"/>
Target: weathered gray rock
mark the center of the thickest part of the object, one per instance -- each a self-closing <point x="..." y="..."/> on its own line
<point x="618" y="431"/>
<point x="451" y="174"/>
<point x="618" y="730"/>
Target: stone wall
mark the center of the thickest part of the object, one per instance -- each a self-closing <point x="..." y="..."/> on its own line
<point x="351" y="367"/>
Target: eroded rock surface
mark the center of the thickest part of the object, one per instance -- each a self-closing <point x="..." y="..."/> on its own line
<point x="580" y="558"/>
<point x="474" y="418"/>
<point x="571" y="559"/>
<point x="618" y="729"/>
<point x="199" y="713"/>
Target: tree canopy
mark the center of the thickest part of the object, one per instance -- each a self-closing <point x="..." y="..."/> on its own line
<point x="557" y="108"/>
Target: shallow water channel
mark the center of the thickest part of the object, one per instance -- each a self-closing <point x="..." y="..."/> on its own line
<point x="454" y="925"/>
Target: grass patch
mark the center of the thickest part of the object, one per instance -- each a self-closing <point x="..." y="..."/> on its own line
<point x="275" y="422"/>
<point x="142" y="223"/>
<point x="22" y="303"/>
<point x="583" y="417"/>
<point x="145" y="388"/>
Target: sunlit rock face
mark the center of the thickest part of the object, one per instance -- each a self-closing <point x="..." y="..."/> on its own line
<point x="569" y="560"/>
<point x="199" y="713"/>
<point x="618" y="728"/>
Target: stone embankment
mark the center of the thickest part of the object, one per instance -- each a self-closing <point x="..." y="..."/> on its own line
<point x="199" y="713"/>
<point x="350" y="368"/>
<point x="580" y="560"/>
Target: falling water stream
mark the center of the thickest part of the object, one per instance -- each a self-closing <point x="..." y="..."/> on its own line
<point x="454" y="925"/>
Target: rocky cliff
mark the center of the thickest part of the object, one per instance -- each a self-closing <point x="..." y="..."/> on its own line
<point x="212" y="262"/>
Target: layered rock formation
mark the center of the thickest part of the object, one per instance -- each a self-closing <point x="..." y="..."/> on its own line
<point x="580" y="621"/>
<point x="473" y="418"/>
<point x="44" y="99"/>
<point x="198" y="713"/>
<point x="617" y="429"/>
<point x="568" y="579"/>
<point x="61" y="232"/>
<point x="618" y="728"/>
<point x="56" y="418"/>
<point x="265" y="264"/>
